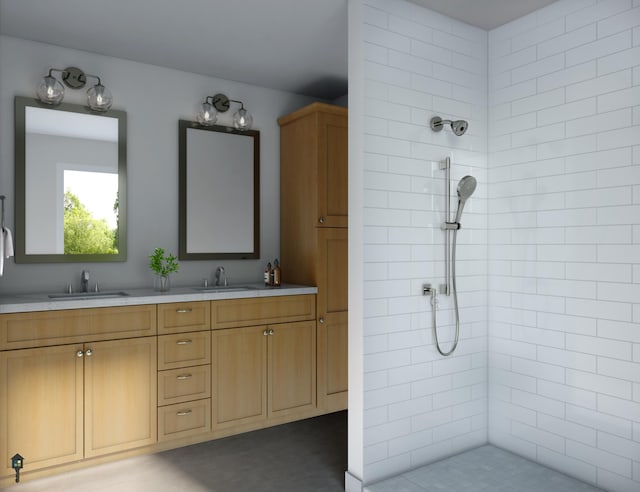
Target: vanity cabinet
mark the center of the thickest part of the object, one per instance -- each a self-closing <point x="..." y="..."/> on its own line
<point x="64" y="403"/>
<point x="263" y="372"/>
<point x="184" y="370"/>
<point x="95" y="384"/>
<point x="87" y="387"/>
<point x="314" y="233"/>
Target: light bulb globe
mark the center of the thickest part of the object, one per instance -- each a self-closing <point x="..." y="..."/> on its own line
<point x="242" y="120"/>
<point x="207" y="115"/>
<point x="99" y="98"/>
<point x="50" y="90"/>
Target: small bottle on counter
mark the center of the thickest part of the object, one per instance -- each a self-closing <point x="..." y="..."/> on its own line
<point x="277" y="274"/>
<point x="267" y="275"/>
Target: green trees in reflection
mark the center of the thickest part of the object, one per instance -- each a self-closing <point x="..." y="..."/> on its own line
<point x="84" y="234"/>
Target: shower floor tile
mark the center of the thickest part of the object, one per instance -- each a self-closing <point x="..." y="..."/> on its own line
<point x="486" y="468"/>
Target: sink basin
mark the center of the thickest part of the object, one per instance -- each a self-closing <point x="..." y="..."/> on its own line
<point x="75" y="296"/>
<point x="224" y="288"/>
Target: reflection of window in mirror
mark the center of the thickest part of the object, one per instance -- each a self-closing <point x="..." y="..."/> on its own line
<point x="88" y="205"/>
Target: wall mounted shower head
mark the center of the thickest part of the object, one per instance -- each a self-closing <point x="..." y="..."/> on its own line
<point x="466" y="187"/>
<point x="458" y="126"/>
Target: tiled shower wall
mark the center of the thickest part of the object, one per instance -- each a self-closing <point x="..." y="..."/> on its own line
<point x="564" y="234"/>
<point x="419" y="406"/>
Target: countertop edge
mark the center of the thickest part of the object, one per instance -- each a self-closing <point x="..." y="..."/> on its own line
<point x="22" y="303"/>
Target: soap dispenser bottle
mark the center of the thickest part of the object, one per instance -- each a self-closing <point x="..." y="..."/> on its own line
<point x="277" y="274"/>
<point x="267" y="275"/>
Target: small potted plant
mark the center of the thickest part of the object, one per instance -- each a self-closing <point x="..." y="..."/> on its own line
<point x="163" y="265"/>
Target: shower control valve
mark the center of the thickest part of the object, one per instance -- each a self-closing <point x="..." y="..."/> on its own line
<point x="427" y="290"/>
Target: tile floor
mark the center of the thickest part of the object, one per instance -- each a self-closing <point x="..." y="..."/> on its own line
<point x="487" y="469"/>
<point x="305" y="456"/>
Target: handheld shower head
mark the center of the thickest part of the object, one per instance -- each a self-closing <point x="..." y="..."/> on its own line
<point x="459" y="127"/>
<point x="466" y="187"/>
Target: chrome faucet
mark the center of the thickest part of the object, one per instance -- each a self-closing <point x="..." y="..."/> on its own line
<point x="221" y="274"/>
<point x="84" y="280"/>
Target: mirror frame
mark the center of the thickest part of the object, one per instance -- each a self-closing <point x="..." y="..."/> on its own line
<point x="183" y="254"/>
<point x="21" y="256"/>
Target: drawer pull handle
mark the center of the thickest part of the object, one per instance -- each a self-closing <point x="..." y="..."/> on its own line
<point x="183" y="413"/>
<point x="184" y="310"/>
<point x="184" y="342"/>
<point x="182" y="377"/>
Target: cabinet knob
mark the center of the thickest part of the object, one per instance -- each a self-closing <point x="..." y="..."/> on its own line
<point x="79" y="353"/>
<point x="184" y="342"/>
<point x="271" y="332"/>
<point x="265" y="333"/>
<point x="321" y="220"/>
<point x="88" y="352"/>
<point x="321" y="321"/>
<point x="182" y="413"/>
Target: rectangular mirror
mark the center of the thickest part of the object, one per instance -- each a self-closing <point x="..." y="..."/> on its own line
<point x="70" y="183"/>
<point x="219" y="186"/>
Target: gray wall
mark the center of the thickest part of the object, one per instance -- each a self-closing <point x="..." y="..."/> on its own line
<point x="154" y="98"/>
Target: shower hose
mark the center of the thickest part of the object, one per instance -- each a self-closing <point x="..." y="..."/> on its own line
<point x="434" y="302"/>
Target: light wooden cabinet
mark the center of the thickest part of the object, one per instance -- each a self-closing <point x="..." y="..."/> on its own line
<point x="179" y="317"/>
<point x="64" y="403"/>
<point x="41" y="395"/>
<point x="184" y="370"/>
<point x="78" y="384"/>
<point x="120" y="395"/>
<point x="313" y="232"/>
<point x="313" y="166"/>
<point x="332" y="319"/>
<point x="263" y="372"/>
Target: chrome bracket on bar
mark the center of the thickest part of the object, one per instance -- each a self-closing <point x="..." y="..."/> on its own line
<point x="450" y="226"/>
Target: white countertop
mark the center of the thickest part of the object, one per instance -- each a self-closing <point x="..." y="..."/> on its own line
<point x="21" y="303"/>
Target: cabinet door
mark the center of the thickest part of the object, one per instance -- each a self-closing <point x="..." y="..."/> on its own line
<point x="292" y="368"/>
<point x="239" y="381"/>
<point x="332" y="170"/>
<point x="41" y="406"/>
<point x="120" y="395"/>
<point x="332" y="318"/>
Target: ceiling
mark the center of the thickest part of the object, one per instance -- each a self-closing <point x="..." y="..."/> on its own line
<point x="297" y="46"/>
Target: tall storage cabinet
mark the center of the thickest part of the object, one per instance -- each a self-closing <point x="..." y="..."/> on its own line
<point x="313" y="231"/>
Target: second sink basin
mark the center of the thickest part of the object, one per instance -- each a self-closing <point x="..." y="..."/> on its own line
<point x="87" y="295"/>
<point x="224" y="288"/>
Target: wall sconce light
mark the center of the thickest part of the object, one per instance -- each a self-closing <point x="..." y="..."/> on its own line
<point x="51" y="90"/>
<point x="212" y="105"/>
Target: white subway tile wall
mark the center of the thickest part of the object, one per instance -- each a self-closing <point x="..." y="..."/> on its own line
<point x="564" y="229"/>
<point x="548" y="365"/>
<point x="418" y="405"/>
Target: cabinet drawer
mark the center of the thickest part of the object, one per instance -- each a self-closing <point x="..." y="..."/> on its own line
<point x="180" y="317"/>
<point x="184" y="349"/>
<point x="184" y="419"/>
<point x="180" y="385"/>
<point x="233" y="313"/>
<point x="43" y="328"/>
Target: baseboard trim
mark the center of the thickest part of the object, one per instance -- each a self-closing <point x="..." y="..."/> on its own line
<point x="352" y="483"/>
